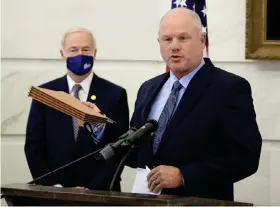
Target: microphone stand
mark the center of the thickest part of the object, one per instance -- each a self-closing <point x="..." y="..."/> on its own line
<point x="62" y="167"/>
<point x="88" y="128"/>
<point x="65" y="166"/>
<point x="96" y="155"/>
<point x="120" y="166"/>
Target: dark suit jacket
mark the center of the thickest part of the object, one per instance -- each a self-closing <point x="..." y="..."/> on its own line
<point x="50" y="140"/>
<point x="213" y="137"/>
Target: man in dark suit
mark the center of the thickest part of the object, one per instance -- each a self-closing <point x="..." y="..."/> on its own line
<point x="54" y="139"/>
<point x="207" y="138"/>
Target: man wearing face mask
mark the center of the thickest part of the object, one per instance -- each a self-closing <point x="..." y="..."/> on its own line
<point x="54" y="139"/>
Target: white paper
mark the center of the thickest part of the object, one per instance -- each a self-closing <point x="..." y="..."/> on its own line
<point x="141" y="183"/>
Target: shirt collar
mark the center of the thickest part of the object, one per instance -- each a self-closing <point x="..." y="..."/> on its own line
<point x="85" y="83"/>
<point x="186" y="78"/>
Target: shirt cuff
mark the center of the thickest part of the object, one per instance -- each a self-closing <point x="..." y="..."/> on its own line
<point x="98" y="130"/>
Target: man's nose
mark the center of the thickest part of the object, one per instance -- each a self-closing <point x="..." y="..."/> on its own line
<point x="175" y="45"/>
<point x="81" y="52"/>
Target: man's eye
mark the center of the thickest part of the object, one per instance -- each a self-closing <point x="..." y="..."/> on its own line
<point x="167" y="39"/>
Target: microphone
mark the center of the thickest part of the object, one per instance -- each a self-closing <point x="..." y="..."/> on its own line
<point x="150" y="127"/>
<point x="128" y="141"/>
<point x="128" y="133"/>
<point x="108" y="151"/>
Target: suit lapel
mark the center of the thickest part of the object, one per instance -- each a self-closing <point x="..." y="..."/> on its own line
<point x="195" y="90"/>
<point x="64" y="84"/>
<point x="146" y="103"/>
<point x="93" y="88"/>
<point x="97" y="91"/>
<point x="151" y="94"/>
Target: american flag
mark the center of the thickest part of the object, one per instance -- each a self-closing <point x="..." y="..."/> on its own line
<point x="199" y="6"/>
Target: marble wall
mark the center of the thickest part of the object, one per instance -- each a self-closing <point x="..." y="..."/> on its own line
<point x="127" y="55"/>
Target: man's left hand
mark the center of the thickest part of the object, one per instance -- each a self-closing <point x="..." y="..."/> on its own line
<point x="164" y="177"/>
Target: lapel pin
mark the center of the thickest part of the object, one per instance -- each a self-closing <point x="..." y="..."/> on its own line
<point x="93" y="97"/>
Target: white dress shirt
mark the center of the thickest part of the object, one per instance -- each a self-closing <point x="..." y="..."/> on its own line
<point x="85" y="84"/>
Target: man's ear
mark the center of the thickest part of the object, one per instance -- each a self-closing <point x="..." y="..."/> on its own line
<point x="203" y="39"/>
<point x="62" y="55"/>
<point x="94" y="53"/>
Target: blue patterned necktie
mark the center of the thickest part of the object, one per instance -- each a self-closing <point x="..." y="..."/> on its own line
<point x="166" y="114"/>
<point x="76" y="89"/>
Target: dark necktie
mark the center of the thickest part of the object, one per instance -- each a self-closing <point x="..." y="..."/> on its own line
<point x="76" y="89"/>
<point x="166" y="114"/>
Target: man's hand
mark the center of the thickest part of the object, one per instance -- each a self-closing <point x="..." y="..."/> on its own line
<point x="164" y="177"/>
<point x="92" y="106"/>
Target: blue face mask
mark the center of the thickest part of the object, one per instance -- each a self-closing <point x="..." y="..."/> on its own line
<point x="80" y="64"/>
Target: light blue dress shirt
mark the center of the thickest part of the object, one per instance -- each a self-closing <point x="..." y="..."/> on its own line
<point x="165" y="91"/>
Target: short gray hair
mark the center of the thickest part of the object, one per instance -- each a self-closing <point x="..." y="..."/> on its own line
<point x="77" y="29"/>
